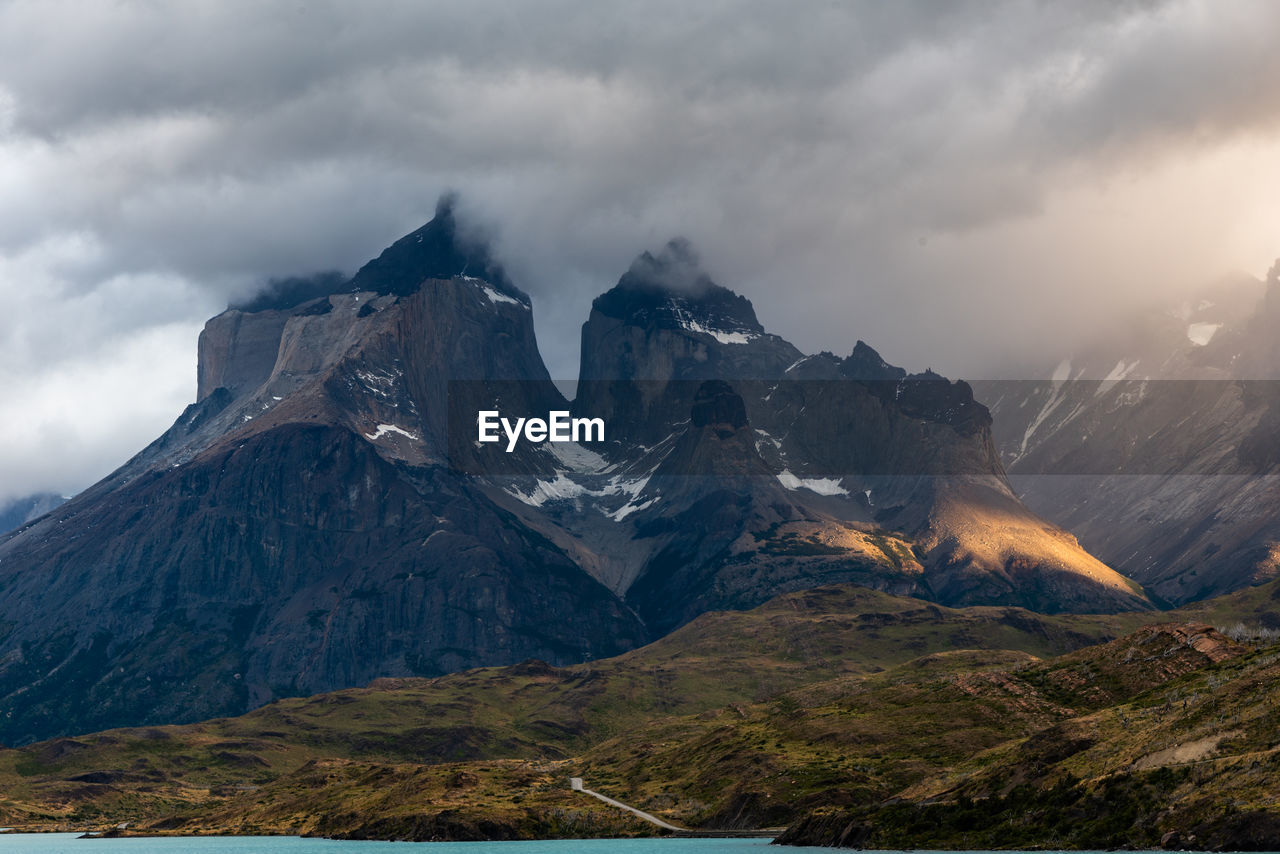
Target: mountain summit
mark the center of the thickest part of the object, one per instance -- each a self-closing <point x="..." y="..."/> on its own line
<point x="438" y="250"/>
<point x="672" y="291"/>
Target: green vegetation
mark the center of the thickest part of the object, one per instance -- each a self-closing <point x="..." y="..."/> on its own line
<point x="1170" y="746"/>
<point x="846" y="713"/>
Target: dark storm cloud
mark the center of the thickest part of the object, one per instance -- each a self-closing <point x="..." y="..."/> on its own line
<point x="955" y="182"/>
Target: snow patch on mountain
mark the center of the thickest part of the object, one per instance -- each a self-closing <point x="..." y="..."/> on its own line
<point x="549" y="490"/>
<point x="820" y="485"/>
<point x="1201" y="334"/>
<point x="380" y="383"/>
<point x="724" y="336"/>
<point x="577" y="458"/>
<point x="720" y="335"/>
<point x="496" y="297"/>
<point x="384" y="429"/>
<point x="630" y="507"/>
<point x="766" y="437"/>
<point x="1060" y="376"/>
<point x="563" y="488"/>
<point x="1121" y="371"/>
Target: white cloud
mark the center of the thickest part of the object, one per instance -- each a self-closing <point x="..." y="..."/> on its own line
<point x="65" y="425"/>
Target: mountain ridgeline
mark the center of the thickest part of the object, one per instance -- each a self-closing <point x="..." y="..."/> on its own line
<point x="321" y="517"/>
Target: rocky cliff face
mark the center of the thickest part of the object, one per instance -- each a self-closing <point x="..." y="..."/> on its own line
<point x="323" y="514"/>
<point x="297" y="529"/>
<point x="1158" y="446"/>
<point x="664" y="328"/>
<point x="741" y="467"/>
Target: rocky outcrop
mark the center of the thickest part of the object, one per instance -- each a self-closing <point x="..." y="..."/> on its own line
<point x="238" y="350"/>
<point x="662" y="330"/>
<point x="765" y="470"/>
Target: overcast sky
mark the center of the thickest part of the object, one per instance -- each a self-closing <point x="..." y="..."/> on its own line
<point x="966" y="186"/>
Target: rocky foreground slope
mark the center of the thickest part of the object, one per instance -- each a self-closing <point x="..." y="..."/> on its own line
<point x="323" y="515"/>
<point x="1182" y="754"/>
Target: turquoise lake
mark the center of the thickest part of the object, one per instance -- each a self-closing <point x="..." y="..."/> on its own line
<point x="71" y="844"/>
<point x="68" y="843"/>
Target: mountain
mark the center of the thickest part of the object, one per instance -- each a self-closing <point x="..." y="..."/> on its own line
<point x="325" y="513"/>
<point x="20" y="511"/>
<point x="1157" y="445"/>
<point x="741" y="468"/>
<point x="297" y="529"/>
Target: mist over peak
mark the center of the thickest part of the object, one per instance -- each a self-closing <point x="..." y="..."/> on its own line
<point x="290" y="291"/>
<point x="445" y="206"/>
<point x="444" y="247"/>
<point x="672" y="289"/>
<point x="677" y="268"/>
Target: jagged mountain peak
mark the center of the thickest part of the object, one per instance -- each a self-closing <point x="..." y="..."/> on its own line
<point x="441" y="249"/>
<point x="864" y="363"/>
<point x="671" y="290"/>
<point x="1270" y="305"/>
<point x="310" y="520"/>
<point x="677" y="268"/>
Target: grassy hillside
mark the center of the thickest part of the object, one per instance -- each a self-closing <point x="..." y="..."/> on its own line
<point x="854" y="740"/>
<point x="531" y="712"/>
<point x="802" y="711"/>
<point x="1192" y="761"/>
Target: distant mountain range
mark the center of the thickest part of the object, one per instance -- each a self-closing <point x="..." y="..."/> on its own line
<point x="20" y="511"/>
<point x="323" y="514"/>
<point x="1159" y="446"/>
